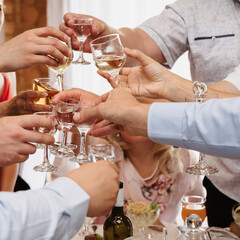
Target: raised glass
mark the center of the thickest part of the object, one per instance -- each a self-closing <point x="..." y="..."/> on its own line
<point x="98" y="152"/>
<point x="108" y="54"/>
<point x="82" y="28"/>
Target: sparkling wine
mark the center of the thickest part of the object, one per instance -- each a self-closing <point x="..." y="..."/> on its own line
<point x="42" y="86"/>
<point x="117" y="226"/>
<point x="62" y="67"/>
<point x="82" y="30"/>
<point x="110" y="63"/>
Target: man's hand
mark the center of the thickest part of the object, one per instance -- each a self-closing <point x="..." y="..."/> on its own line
<point x="119" y="111"/>
<point x="148" y="80"/>
<point x="22" y="104"/>
<point x="34" y="47"/>
<point x="17" y="133"/>
<point x="99" y="28"/>
<point x="100" y="181"/>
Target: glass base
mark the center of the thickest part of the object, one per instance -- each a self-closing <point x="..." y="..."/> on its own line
<point x="194" y="235"/>
<point x="202" y="168"/>
<point x="81" y="158"/>
<point x="60" y="150"/>
<point x="81" y="61"/>
<point x="45" y="167"/>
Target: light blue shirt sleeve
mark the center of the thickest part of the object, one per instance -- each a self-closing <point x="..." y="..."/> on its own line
<point x="212" y="127"/>
<point x="55" y="212"/>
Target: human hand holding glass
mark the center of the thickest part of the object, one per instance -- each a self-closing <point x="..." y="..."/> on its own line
<point x="108" y="54"/>
<point x="200" y="95"/>
<point x="82" y="28"/>
<point x="46" y="166"/>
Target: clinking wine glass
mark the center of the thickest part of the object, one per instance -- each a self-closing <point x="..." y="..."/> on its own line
<point x="65" y="111"/>
<point x="46" y="166"/>
<point x="108" y="54"/>
<point x="82" y="29"/>
<point x="83" y="129"/>
<point x="61" y="68"/>
<point x="200" y="95"/>
<point x="50" y="86"/>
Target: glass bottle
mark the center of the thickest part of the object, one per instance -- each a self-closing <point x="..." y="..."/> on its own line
<point x="117" y="226"/>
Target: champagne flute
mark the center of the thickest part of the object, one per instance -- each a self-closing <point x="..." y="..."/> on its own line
<point x="200" y="96"/>
<point x="65" y="111"/>
<point x="46" y="166"/>
<point x="108" y="53"/>
<point x="82" y="28"/>
<point x="61" y="68"/>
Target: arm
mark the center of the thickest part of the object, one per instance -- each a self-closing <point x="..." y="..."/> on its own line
<point x="8" y="177"/>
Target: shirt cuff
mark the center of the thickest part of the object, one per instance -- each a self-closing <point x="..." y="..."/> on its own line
<point x="76" y="198"/>
<point x="165" y="123"/>
<point x="161" y="44"/>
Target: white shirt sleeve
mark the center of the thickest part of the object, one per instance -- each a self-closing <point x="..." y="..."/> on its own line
<point x="211" y="127"/>
<point x="234" y="77"/>
<point x="55" y="212"/>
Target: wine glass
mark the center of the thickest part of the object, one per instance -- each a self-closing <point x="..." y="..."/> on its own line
<point x="49" y="85"/>
<point x="101" y="152"/>
<point x="200" y="96"/>
<point x="82" y="28"/>
<point x="108" y="54"/>
<point x="65" y="111"/>
<point x="60" y="69"/>
<point x="83" y="129"/>
<point x="154" y="232"/>
<point x="46" y="166"/>
<point x="193" y="222"/>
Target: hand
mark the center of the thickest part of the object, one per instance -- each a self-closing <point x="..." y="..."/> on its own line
<point x="22" y="104"/>
<point x="85" y="97"/>
<point x="17" y="133"/>
<point x="100" y="181"/>
<point x="148" y="80"/>
<point x="34" y="47"/>
<point x="99" y="28"/>
<point x="122" y="112"/>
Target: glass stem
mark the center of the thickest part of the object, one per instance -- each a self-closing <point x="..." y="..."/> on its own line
<point x="65" y="133"/>
<point x="45" y="160"/>
<point x="60" y="80"/>
<point x="201" y="157"/>
<point x="81" y="50"/>
<point x="83" y="135"/>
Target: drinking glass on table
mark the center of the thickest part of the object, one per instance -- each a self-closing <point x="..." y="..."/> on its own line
<point x="154" y="232"/>
<point x="61" y="68"/>
<point x="200" y="95"/>
<point x="193" y="213"/>
<point x="108" y="54"/>
<point x="83" y="128"/>
<point x="101" y="151"/>
<point x="46" y="166"/>
<point x="65" y="111"/>
<point x="82" y="28"/>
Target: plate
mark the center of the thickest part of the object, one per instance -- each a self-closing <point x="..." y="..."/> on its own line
<point x="172" y="231"/>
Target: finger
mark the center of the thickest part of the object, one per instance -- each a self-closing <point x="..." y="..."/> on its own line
<point x="109" y="78"/>
<point x="21" y="158"/>
<point x="37" y="137"/>
<point x="63" y="48"/>
<point x="49" y="50"/>
<point x="51" y="31"/>
<point x="34" y="121"/>
<point x="86" y="115"/>
<point x="40" y="59"/>
<point x="29" y="94"/>
<point x="71" y="93"/>
<point x="27" y="148"/>
<point x="125" y="71"/>
<point x="104" y="131"/>
<point x="138" y="55"/>
<point x="36" y="107"/>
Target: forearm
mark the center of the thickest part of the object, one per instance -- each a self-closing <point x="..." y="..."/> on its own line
<point x="8" y="176"/>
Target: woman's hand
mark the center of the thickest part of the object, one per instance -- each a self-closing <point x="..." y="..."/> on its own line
<point x="22" y="104"/>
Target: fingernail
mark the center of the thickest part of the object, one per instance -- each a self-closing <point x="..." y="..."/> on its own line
<point x="68" y="32"/>
<point x="76" y="117"/>
<point x="70" y="52"/>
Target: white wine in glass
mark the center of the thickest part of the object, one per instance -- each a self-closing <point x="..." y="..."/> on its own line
<point x="108" y="54"/>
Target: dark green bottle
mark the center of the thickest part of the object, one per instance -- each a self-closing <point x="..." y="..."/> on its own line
<point x="117" y="226"/>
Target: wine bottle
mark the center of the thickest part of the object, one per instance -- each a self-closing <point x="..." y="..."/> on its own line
<point x="117" y="226"/>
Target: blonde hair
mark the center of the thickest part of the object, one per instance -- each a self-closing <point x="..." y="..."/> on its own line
<point x="170" y="163"/>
